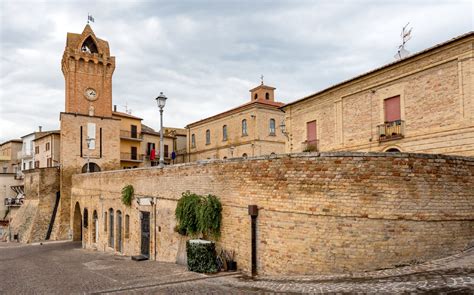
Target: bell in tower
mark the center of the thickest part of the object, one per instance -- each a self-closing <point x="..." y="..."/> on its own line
<point x="88" y="68"/>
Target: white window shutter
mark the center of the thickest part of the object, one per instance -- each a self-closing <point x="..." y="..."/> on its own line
<point x="91" y="134"/>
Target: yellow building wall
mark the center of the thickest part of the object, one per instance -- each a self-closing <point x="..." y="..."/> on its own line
<point x="436" y="101"/>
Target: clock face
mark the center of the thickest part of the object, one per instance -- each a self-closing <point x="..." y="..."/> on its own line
<point x="90" y="94"/>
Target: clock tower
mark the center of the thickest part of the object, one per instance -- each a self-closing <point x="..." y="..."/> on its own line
<point x="90" y="136"/>
<point x="88" y="68"/>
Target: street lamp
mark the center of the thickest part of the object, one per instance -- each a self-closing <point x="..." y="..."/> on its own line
<point x="161" y="101"/>
<point x="89" y="142"/>
<point x="283" y="128"/>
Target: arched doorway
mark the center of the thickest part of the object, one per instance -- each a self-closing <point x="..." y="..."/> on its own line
<point x="77" y="224"/>
<point x="93" y="167"/>
<point x="119" y="231"/>
<point x="393" y="150"/>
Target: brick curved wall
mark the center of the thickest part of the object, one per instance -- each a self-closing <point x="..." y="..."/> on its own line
<point x="319" y="213"/>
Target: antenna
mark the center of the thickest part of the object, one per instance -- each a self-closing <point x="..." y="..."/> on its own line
<point x="405" y="35"/>
<point x="127" y="110"/>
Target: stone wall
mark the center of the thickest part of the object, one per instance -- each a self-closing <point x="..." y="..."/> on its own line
<point x="31" y="221"/>
<point x="318" y="213"/>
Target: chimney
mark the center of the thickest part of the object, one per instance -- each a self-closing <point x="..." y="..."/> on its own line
<point x="115" y="107"/>
<point x="40" y="128"/>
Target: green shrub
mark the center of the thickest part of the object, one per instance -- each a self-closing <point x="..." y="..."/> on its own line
<point x="186" y="214"/>
<point x="199" y="215"/>
<point x="201" y="256"/>
<point x="127" y="195"/>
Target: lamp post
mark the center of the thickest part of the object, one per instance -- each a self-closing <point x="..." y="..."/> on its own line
<point x="161" y="101"/>
<point x="89" y="141"/>
<point x="283" y="128"/>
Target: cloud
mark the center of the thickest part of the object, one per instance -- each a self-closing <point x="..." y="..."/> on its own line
<point x="205" y="56"/>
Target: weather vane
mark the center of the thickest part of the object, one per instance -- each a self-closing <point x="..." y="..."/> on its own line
<point x="261" y="79"/>
<point x="406" y="35"/>
<point x="90" y="18"/>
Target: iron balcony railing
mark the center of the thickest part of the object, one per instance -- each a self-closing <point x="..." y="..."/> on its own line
<point x="311" y="146"/>
<point x="131" y="135"/>
<point x="13" y="202"/>
<point x="391" y="130"/>
<point x="131" y="157"/>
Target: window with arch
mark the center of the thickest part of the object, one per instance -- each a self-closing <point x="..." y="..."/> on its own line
<point x="393" y="150"/>
<point x="244" y="155"/>
<point x="255" y="96"/>
<point x="208" y="136"/>
<point x="193" y="141"/>
<point x="267" y="96"/>
<point x="105" y="221"/>
<point x="95" y="227"/>
<point x="224" y="132"/>
<point x="272" y="126"/>
<point x="127" y="226"/>
<point x="86" y="218"/>
<point x="111" y="227"/>
<point x="93" y="167"/>
<point x="244" y="127"/>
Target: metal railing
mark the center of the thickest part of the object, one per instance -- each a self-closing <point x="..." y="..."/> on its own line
<point x="131" y="135"/>
<point x="311" y="146"/>
<point x="131" y="157"/>
<point x="391" y="130"/>
<point x="13" y="202"/>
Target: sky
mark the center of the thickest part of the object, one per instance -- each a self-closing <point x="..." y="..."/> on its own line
<point x="206" y="55"/>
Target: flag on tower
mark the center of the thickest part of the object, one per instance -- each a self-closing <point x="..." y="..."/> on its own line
<point x="90" y="18"/>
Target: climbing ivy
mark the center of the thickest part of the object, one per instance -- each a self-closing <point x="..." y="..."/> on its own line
<point x="199" y="215"/>
<point x="127" y="195"/>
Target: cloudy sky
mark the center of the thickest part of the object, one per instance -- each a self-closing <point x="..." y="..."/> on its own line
<point x="206" y="55"/>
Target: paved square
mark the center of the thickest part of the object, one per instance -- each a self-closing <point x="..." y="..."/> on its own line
<point x="65" y="268"/>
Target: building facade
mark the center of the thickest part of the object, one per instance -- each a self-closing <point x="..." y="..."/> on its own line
<point x="47" y="146"/>
<point x="9" y="156"/>
<point x="246" y="131"/>
<point x="423" y="104"/>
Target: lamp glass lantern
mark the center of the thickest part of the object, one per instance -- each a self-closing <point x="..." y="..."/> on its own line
<point x="161" y="100"/>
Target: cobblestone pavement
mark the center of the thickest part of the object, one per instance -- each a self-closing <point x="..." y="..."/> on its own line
<point x="64" y="268"/>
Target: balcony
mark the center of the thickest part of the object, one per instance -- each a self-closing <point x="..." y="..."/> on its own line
<point x="13" y="202"/>
<point x="311" y="146"/>
<point x="134" y="136"/>
<point x="131" y="157"/>
<point x="19" y="175"/>
<point x="25" y="154"/>
<point x="391" y="130"/>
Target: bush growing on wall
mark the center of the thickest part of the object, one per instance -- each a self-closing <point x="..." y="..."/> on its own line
<point x="127" y="195"/>
<point x="199" y="215"/>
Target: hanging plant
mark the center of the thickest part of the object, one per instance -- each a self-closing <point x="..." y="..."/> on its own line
<point x="199" y="215"/>
<point x="127" y="195"/>
<point x="186" y="214"/>
<point x="209" y="216"/>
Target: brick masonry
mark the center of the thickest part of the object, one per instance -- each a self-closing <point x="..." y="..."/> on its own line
<point x="319" y="213"/>
<point x="31" y="221"/>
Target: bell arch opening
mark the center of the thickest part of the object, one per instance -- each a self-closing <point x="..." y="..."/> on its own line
<point x="89" y="46"/>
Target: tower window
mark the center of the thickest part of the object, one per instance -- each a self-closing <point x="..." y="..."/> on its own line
<point x="89" y="46"/>
<point x="267" y="96"/>
<point x="255" y="96"/>
<point x="193" y="141"/>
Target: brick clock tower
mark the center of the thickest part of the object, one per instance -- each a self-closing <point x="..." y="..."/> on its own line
<point x="90" y="137"/>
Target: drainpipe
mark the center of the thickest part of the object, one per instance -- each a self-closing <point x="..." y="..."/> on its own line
<point x="253" y="212"/>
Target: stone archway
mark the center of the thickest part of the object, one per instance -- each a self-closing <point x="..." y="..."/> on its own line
<point x="77" y="223"/>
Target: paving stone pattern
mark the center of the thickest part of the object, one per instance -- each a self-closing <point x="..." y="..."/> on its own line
<point x="65" y="268"/>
